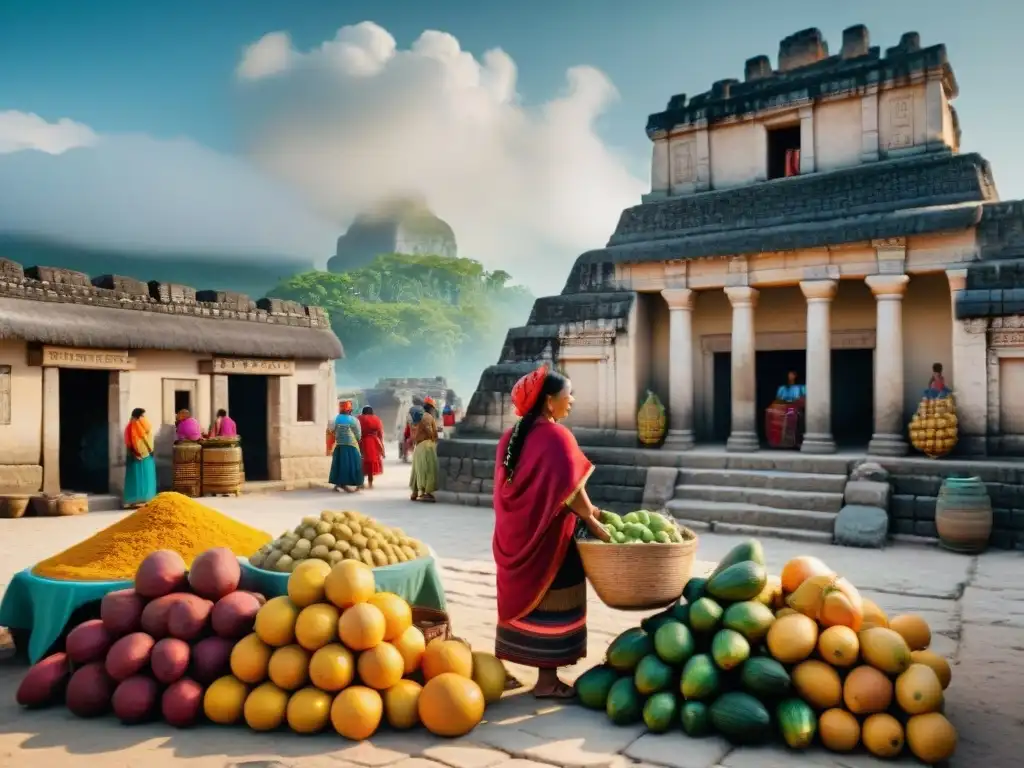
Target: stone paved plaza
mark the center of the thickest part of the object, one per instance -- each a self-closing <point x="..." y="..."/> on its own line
<point x="975" y="605"/>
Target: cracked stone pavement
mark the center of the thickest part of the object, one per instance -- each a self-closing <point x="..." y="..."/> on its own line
<point x="974" y="605"/>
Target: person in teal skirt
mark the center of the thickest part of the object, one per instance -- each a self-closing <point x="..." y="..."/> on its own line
<point x="140" y="467"/>
<point x="346" y="460"/>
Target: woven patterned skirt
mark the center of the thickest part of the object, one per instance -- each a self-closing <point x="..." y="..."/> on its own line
<point x="554" y="634"/>
<point x="782" y="426"/>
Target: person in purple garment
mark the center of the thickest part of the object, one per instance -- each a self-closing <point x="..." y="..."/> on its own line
<point x="188" y="427"/>
<point x="223" y="425"/>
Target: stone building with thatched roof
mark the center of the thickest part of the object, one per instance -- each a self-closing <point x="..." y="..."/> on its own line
<point x="78" y="354"/>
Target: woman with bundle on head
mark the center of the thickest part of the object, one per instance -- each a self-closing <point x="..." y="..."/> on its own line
<point x="423" y="479"/>
<point x="346" y="459"/>
<point x="140" y="467"/>
<point x="539" y="500"/>
<point x="371" y="443"/>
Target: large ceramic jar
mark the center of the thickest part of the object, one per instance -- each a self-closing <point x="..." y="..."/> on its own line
<point x="963" y="515"/>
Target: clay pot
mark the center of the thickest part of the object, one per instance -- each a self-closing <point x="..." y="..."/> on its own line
<point x="963" y="515"/>
<point x="14" y="505"/>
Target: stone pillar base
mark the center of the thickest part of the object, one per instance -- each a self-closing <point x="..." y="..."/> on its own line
<point x="818" y="444"/>
<point x="743" y="442"/>
<point x="888" y="445"/>
<point x="679" y="440"/>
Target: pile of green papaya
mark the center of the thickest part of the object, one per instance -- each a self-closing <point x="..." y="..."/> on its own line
<point x="701" y="665"/>
<point x="641" y="527"/>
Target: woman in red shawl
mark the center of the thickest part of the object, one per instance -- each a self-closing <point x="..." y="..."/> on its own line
<point x="371" y="443"/>
<point x="539" y="498"/>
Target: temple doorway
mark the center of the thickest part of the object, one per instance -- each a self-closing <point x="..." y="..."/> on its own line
<point x="852" y="391"/>
<point x="84" y="430"/>
<point x="247" y="405"/>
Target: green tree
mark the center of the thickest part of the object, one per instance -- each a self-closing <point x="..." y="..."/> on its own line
<point x="415" y="315"/>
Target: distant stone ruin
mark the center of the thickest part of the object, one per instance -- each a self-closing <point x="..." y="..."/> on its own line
<point x="391" y="399"/>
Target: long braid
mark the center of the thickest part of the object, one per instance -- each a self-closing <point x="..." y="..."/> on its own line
<point x="553" y="384"/>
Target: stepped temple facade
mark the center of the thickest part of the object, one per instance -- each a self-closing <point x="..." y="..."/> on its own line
<point x="77" y="355"/>
<point x="817" y="217"/>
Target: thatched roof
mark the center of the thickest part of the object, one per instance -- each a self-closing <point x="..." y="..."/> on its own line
<point x="78" y="325"/>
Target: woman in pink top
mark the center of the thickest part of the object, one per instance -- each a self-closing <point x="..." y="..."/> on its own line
<point x="188" y="428"/>
<point x="223" y="425"/>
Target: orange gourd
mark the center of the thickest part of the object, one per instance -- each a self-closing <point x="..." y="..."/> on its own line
<point x="800" y="569"/>
<point x="829" y="599"/>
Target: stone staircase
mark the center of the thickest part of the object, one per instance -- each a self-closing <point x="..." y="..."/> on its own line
<point x="762" y="494"/>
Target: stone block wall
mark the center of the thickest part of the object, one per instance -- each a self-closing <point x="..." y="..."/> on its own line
<point x="915" y="487"/>
<point x="65" y="286"/>
<point x="467" y="476"/>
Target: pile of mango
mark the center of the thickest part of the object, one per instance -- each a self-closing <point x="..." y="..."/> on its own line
<point x="641" y="527"/>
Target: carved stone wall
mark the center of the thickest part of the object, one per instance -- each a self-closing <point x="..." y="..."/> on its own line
<point x="49" y="284"/>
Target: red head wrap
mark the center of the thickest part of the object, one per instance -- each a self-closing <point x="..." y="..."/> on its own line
<point x="527" y="390"/>
<point x="428" y="400"/>
<point x="345" y="406"/>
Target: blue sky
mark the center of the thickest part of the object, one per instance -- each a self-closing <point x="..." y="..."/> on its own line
<point x="166" y="68"/>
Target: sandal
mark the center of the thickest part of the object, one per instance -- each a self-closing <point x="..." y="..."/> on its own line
<point x="562" y="692"/>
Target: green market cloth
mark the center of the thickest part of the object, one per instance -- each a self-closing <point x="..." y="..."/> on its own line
<point x="417" y="582"/>
<point x="43" y="607"/>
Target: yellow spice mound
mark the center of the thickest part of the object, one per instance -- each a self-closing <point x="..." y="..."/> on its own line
<point x="169" y="521"/>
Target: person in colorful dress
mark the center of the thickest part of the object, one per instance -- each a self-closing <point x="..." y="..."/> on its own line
<point x="346" y="460"/>
<point x="187" y="427"/>
<point x="937" y="384"/>
<point x="223" y="425"/>
<point x="423" y="478"/>
<point x="406" y="445"/>
<point x="140" y="467"/>
<point x="539" y="500"/>
<point x="784" y="417"/>
<point x="371" y="443"/>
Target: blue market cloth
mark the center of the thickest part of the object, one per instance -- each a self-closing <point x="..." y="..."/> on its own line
<point x="43" y="607"/>
<point x="416" y="581"/>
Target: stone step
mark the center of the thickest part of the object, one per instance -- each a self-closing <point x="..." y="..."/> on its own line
<point x="750" y="514"/>
<point x="780" y="461"/>
<point x="807" y="501"/>
<point x="104" y="502"/>
<point x="764" y="478"/>
<point x="757" y="531"/>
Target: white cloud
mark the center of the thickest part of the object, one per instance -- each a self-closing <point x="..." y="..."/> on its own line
<point x="141" y="193"/>
<point x="22" y="130"/>
<point x="355" y="119"/>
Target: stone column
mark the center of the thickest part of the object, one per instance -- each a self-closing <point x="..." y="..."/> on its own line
<point x="967" y="374"/>
<point x="218" y="394"/>
<point x="888" y="438"/>
<point x="280" y="415"/>
<point x="680" y="368"/>
<point x="818" y="414"/>
<point x="51" y="431"/>
<point x="119" y="412"/>
<point x="807" y="162"/>
<point x="744" y="375"/>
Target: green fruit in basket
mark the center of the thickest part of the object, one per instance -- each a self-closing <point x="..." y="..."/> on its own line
<point x="634" y="530"/>
<point x="660" y="712"/>
<point x="643" y="517"/>
<point x="700" y="680"/>
<point x="631" y="517"/>
<point x="742" y="581"/>
<point x="750" y="618"/>
<point x="662" y="538"/>
<point x="611" y="519"/>
<point x="705" y="614"/>
<point x="646" y="536"/>
<point x="729" y="649"/>
<point x="694" y="589"/>
<point x="652" y="675"/>
<point x="626" y="650"/>
<point x="625" y="704"/>
<point x="673" y="642"/>
<point x="658" y="523"/>
<point x="695" y="719"/>
<point x="593" y="686"/>
<point x="618" y="536"/>
<point x="747" y="551"/>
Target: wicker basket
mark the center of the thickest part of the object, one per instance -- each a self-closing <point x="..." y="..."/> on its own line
<point x="221" y="465"/>
<point x="188" y="469"/>
<point x="650" y="421"/>
<point x="70" y="504"/>
<point x="434" y="624"/>
<point x="638" y="577"/>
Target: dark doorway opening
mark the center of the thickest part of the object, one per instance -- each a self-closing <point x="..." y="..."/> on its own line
<point x="852" y="391"/>
<point x="84" y="430"/>
<point x="783" y="141"/>
<point x="247" y="405"/>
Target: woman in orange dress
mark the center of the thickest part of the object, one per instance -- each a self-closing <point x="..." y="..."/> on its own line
<point x="371" y="444"/>
<point x="539" y="500"/>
